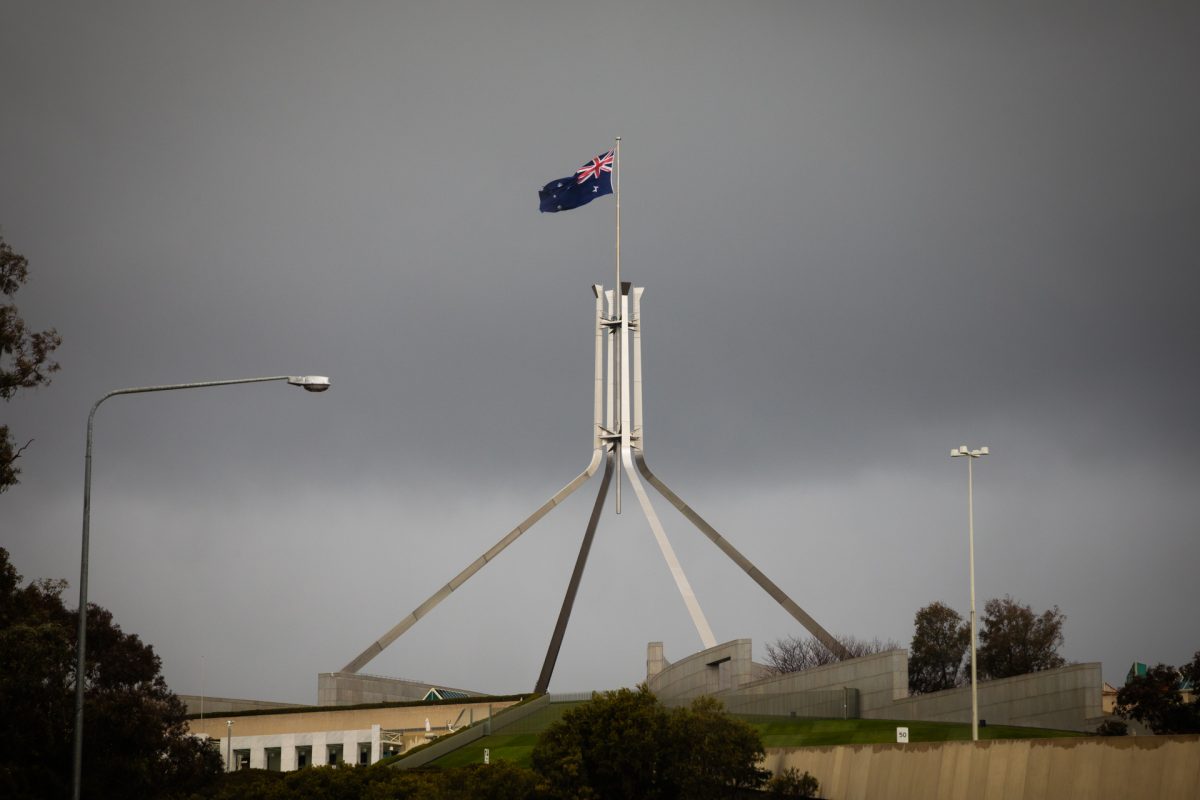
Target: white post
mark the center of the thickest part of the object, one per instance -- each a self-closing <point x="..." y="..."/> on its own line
<point x="974" y="636"/>
<point x="971" y="455"/>
<point x="614" y="385"/>
<point x="626" y="423"/>
<point x="639" y="427"/>
<point x="598" y="401"/>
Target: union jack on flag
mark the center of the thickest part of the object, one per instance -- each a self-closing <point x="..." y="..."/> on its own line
<point x="592" y="180"/>
<point x="593" y="168"/>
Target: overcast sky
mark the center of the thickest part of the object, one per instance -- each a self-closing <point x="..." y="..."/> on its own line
<point x="868" y="232"/>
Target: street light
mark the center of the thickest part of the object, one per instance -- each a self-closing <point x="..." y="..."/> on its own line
<point x="228" y="744"/>
<point x="311" y="383"/>
<point x="971" y="455"/>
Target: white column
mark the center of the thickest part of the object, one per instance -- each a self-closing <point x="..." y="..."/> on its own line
<point x="598" y="403"/>
<point x="350" y="747"/>
<point x="610" y="410"/>
<point x="287" y="752"/>
<point x="638" y="425"/>
<point x="258" y="753"/>
<point x="318" y="749"/>
<point x="623" y="376"/>
<point x="375" y="744"/>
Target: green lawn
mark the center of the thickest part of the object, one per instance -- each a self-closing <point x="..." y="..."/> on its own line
<point x="514" y="747"/>
<point x="775" y="732"/>
<point x="798" y="732"/>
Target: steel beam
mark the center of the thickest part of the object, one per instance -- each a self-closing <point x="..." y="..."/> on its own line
<point x="564" y="615"/>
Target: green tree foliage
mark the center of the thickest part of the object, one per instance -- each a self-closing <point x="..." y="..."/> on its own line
<point x="792" y="783"/>
<point x="24" y="355"/>
<point x="1112" y="727"/>
<point x="498" y="781"/>
<point x="797" y="654"/>
<point x="1013" y="640"/>
<point x="625" y="745"/>
<point x="135" y="738"/>
<point x="940" y="642"/>
<point x="1190" y="672"/>
<point x="1156" y="700"/>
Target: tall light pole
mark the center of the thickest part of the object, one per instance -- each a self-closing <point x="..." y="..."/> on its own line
<point x="971" y="455"/>
<point x="229" y="745"/>
<point x="312" y="383"/>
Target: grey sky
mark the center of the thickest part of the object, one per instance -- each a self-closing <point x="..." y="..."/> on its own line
<point x="868" y="232"/>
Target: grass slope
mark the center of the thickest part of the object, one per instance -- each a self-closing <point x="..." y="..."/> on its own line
<point x="778" y="732"/>
<point x="775" y="731"/>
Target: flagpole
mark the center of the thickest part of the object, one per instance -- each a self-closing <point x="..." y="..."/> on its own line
<point x="617" y="172"/>
<point x="617" y="311"/>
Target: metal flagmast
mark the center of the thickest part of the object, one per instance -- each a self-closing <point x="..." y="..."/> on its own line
<point x="618" y="441"/>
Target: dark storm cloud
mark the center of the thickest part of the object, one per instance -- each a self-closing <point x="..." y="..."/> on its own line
<point x="867" y="234"/>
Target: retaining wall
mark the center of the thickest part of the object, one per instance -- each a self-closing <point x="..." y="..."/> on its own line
<point x="1068" y="698"/>
<point x="1100" y="768"/>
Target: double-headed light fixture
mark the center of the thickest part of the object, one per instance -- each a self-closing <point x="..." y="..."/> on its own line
<point x="971" y="455"/>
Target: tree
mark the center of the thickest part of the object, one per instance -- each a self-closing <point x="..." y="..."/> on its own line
<point x="794" y="654"/>
<point x="1156" y="700"/>
<point x="1112" y="727"/>
<point x="940" y="642"/>
<point x="791" y="783"/>
<point x="136" y="742"/>
<point x="711" y="753"/>
<point x="1013" y="640"/>
<point x="1190" y="672"/>
<point x="624" y="744"/>
<point x="500" y="780"/>
<point x="24" y="356"/>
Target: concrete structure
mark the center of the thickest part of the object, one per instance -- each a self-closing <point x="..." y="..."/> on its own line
<point x="1101" y="768"/>
<point x="294" y="738"/>
<point x="205" y="705"/>
<point x="618" y="440"/>
<point x="348" y="689"/>
<point x="875" y="687"/>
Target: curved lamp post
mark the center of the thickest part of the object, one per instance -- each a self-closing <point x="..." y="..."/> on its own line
<point x="311" y="383"/>
<point x="971" y="455"/>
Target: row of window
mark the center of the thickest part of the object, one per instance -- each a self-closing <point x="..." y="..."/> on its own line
<point x="334" y="754"/>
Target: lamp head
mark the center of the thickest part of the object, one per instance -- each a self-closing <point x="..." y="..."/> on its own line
<point x="311" y="383"/>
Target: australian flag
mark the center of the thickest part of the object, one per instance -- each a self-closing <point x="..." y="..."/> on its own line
<point x="592" y="180"/>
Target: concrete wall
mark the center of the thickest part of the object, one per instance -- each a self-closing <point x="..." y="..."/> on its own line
<point x="318" y="742"/>
<point x="320" y="719"/>
<point x="710" y="671"/>
<point x="1114" y="768"/>
<point x="411" y="725"/>
<point x="348" y="689"/>
<point x="1068" y="698"/>
<point x="880" y="679"/>
<point x="197" y="704"/>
